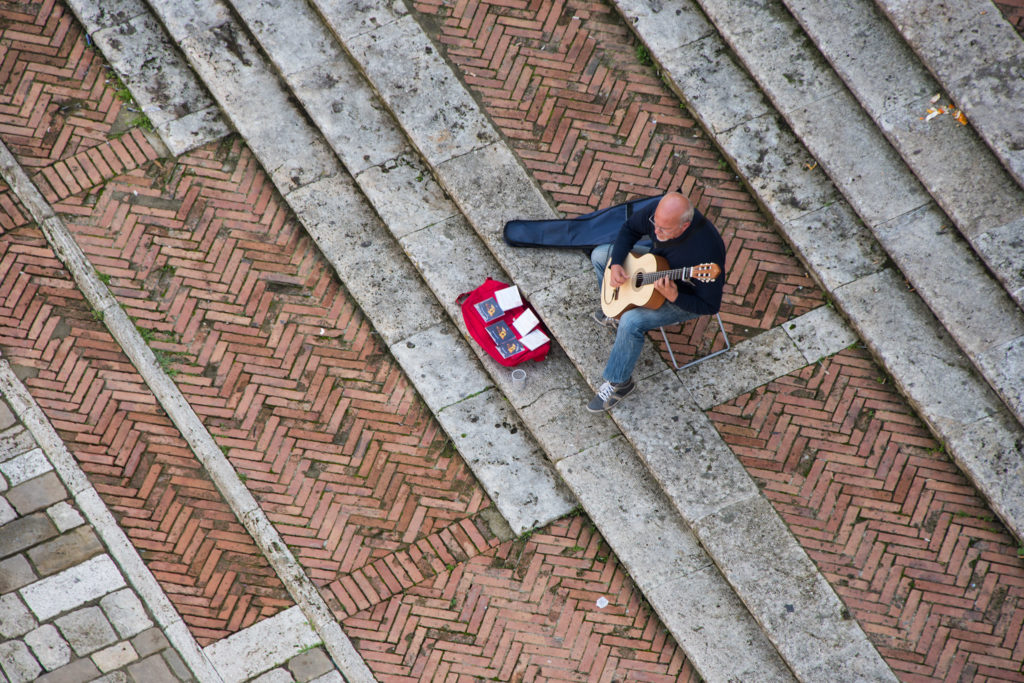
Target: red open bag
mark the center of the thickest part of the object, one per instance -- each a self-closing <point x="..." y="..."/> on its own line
<point x="478" y="328"/>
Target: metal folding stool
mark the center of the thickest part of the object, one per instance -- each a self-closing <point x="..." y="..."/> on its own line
<point x="702" y="358"/>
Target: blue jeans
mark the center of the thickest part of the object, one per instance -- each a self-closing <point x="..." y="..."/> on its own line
<point x="634" y="324"/>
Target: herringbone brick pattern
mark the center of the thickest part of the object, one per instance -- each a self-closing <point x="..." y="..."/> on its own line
<point x="526" y="610"/>
<point x="55" y="98"/>
<point x="917" y="556"/>
<point x="565" y="82"/>
<point x="1013" y="12"/>
<point x="12" y="213"/>
<point x="284" y="371"/>
<point x="132" y="453"/>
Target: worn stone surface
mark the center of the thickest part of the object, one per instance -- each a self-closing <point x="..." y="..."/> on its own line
<point x="699" y="69"/>
<point x="350" y="115"/>
<point x="17" y="662"/>
<point x="858" y="158"/>
<point x="7" y="418"/>
<point x="485" y="184"/>
<point x="49" y="647"/>
<point x="309" y="665"/>
<point x="499" y="450"/>
<point x="290" y="32"/>
<point x="693" y="599"/>
<point x="1003" y="249"/>
<point x="7" y="511"/>
<point x="405" y="195"/>
<point x="25" y="532"/>
<point x="72" y="587"/>
<point x="153" y="668"/>
<point x="274" y="676"/>
<point x="359" y="239"/>
<point x="67" y="550"/>
<point x="126" y="613"/>
<point x="778" y="168"/>
<point x="86" y="630"/>
<point x="15" y="619"/>
<point x="788" y="595"/>
<point x="78" y="671"/>
<point x="114" y="657"/>
<point x="96" y="15"/>
<point x="26" y="466"/>
<point x="441" y="365"/>
<point x="748" y="365"/>
<point x="348" y="19"/>
<point x="435" y="110"/>
<point x="977" y="57"/>
<point x="820" y="333"/>
<point x="694" y="467"/>
<point x="65" y="516"/>
<point x="36" y="493"/>
<point x="14" y="442"/>
<point x="193" y="130"/>
<point x="836" y="245"/>
<point x="15" y="572"/>
<point x="258" y="648"/>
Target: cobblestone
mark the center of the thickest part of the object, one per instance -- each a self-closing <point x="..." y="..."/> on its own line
<point x="25" y="466"/>
<point x="15" y="619"/>
<point x="36" y="493"/>
<point x="86" y="630"/>
<point x="127" y="614"/>
<point x="49" y="647"/>
<point x="67" y="550"/>
<point x="17" y="662"/>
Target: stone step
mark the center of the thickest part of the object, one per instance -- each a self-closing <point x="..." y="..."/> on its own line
<point x="978" y="58"/>
<point x="963" y="175"/>
<point x="522" y="483"/>
<point x="977" y="428"/>
<point x="846" y="643"/>
<point x="483" y="178"/>
<point x="160" y="81"/>
<point x="978" y="313"/>
<point x="452" y="259"/>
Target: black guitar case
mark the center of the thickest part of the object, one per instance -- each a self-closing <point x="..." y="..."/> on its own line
<point x="585" y="232"/>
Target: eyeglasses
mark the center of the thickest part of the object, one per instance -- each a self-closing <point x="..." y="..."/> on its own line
<point x="661" y="227"/>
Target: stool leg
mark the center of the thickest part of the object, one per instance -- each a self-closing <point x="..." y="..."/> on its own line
<point x="671" y="355"/>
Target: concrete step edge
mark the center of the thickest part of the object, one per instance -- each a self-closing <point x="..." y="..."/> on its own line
<point x="975" y="54"/>
<point x="978" y="313"/>
<point x="484" y="178"/>
<point x="958" y="406"/>
<point x="966" y="178"/>
<point x="160" y="81"/>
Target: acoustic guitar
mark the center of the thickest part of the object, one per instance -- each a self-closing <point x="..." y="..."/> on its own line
<point x="643" y="271"/>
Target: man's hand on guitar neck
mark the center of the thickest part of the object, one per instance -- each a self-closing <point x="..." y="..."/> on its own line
<point x="667" y="288"/>
<point x="617" y="276"/>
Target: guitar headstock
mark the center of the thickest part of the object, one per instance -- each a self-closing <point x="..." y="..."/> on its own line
<point x="706" y="272"/>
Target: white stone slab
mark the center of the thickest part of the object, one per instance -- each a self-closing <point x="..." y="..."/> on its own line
<point x="97" y="14"/>
<point x="696" y="604"/>
<point x="115" y="656"/>
<point x="64" y="516"/>
<point x="491" y="188"/>
<point x="717" y="89"/>
<point x="509" y="465"/>
<point x="366" y="257"/>
<point x="184" y="18"/>
<point x="1002" y="249"/>
<point x="441" y="365"/>
<point x="262" y="646"/>
<point x="15" y="620"/>
<point x="7" y="513"/>
<point x="405" y="194"/>
<point x="72" y="587"/>
<point x="18" y="663"/>
<point x="348" y="19"/>
<point x="799" y="610"/>
<point x="290" y="32"/>
<point x="836" y="245"/>
<point x="778" y="167"/>
<point x="697" y="471"/>
<point x="126" y="613"/>
<point x="25" y="466"/>
<point x="747" y="366"/>
<point x="194" y="130"/>
<point x="434" y="108"/>
<point x="820" y="333"/>
<point x="349" y="114"/>
<point x="49" y="647"/>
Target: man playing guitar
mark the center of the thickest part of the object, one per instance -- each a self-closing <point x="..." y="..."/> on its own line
<point x="683" y="237"/>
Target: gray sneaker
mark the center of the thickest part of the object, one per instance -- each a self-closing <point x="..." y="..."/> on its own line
<point x="609" y="395"/>
<point x="602" y="319"/>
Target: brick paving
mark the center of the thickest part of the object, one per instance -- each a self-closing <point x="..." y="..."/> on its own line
<point x="1013" y="12"/>
<point x="917" y="556"/>
<point x="347" y="462"/>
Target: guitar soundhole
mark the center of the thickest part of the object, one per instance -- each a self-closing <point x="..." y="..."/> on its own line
<point x="638" y="281"/>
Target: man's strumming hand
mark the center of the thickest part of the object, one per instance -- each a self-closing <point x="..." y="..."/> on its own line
<point x="617" y="276"/>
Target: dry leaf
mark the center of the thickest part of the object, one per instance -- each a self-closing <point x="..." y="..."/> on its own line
<point x="959" y="116"/>
<point x="935" y="97"/>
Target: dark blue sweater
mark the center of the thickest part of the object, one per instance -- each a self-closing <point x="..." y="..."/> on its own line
<point x="699" y="243"/>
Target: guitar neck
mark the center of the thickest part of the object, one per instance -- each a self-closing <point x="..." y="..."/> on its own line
<point x="676" y="274"/>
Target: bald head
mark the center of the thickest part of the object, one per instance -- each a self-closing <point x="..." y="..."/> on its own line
<point x="672" y="217"/>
